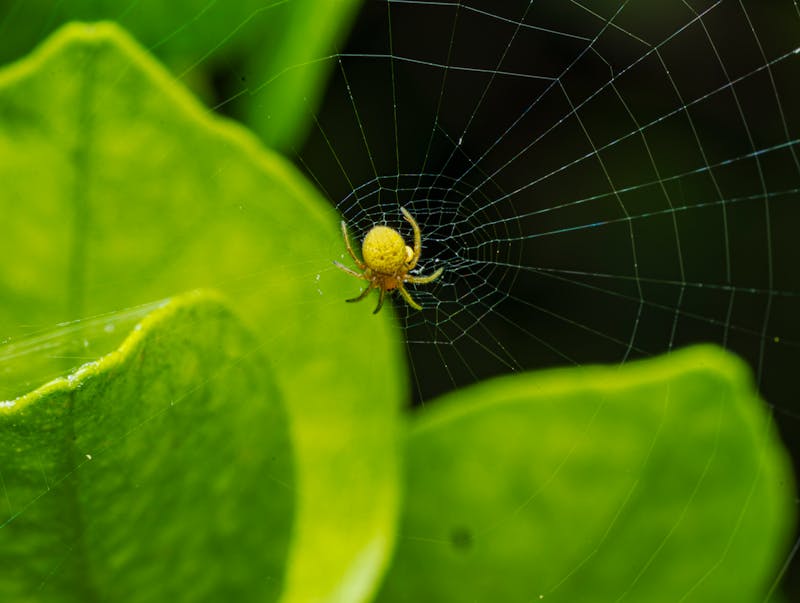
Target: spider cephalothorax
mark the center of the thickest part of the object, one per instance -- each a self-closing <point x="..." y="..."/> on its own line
<point x="387" y="261"/>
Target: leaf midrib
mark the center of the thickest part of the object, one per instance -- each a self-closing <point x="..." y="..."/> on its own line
<point x="76" y="274"/>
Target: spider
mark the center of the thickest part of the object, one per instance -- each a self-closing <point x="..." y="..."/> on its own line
<point x="387" y="262"/>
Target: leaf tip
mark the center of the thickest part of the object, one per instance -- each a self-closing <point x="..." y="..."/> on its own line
<point x="96" y="33"/>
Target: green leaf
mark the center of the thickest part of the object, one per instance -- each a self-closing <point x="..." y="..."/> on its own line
<point x="663" y="480"/>
<point x="278" y="50"/>
<point x="121" y="189"/>
<point x="292" y="76"/>
<point x="160" y="471"/>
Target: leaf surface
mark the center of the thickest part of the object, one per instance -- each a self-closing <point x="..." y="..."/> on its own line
<point x="160" y="471"/>
<point x="120" y="189"/>
<point x="663" y="480"/>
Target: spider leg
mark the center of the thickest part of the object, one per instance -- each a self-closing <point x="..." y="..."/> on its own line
<point x="417" y="237"/>
<point x="380" y="302"/>
<point x="358" y="262"/>
<point x="364" y="293"/>
<point x="407" y="296"/>
<point x="421" y="280"/>
<point x="348" y="270"/>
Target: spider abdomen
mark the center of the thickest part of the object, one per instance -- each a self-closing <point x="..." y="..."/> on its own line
<point x="384" y="250"/>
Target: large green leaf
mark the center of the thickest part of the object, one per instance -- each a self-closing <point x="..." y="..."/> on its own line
<point x="663" y="480"/>
<point x="276" y="49"/>
<point x="161" y="471"/>
<point x="119" y="189"/>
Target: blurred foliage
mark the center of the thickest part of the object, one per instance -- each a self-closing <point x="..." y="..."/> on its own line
<point x="271" y="54"/>
<point x="105" y="163"/>
<point x="664" y="480"/>
<point x="659" y="480"/>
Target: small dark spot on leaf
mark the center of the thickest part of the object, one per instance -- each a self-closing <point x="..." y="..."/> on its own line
<point x="461" y="538"/>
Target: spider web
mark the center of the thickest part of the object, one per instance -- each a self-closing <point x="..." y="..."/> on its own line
<point x="600" y="181"/>
<point x="569" y="163"/>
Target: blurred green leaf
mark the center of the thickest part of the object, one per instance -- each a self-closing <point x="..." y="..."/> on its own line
<point x="292" y="76"/>
<point x="120" y="189"/>
<point x="663" y="480"/>
<point x="270" y="56"/>
<point x="159" y="472"/>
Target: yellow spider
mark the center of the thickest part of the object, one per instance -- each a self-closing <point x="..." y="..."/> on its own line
<point x="387" y="262"/>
